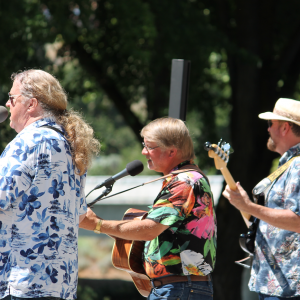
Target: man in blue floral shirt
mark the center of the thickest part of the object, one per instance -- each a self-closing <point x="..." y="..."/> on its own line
<point x="275" y="271"/>
<point x="42" y="199"/>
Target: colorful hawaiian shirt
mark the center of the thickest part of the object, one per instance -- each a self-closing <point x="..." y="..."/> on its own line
<point x="188" y="246"/>
<point x="41" y="199"/>
<point x="276" y="266"/>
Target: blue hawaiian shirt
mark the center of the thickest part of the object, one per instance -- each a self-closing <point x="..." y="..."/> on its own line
<point x="41" y="199"/>
<point x="276" y="266"/>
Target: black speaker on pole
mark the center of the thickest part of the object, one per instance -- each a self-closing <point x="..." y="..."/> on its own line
<point x="180" y="75"/>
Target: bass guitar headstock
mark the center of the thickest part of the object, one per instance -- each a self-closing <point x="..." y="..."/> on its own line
<point x="220" y="153"/>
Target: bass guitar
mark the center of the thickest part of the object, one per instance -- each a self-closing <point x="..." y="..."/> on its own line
<point x="220" y="153"/>
<point x="128" y="255"/>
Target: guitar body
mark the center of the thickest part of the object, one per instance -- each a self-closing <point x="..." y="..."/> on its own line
<point x="127" y="255"/>
<point x="247" y="240"/>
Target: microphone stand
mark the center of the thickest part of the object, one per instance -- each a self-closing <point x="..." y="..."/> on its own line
<point x="104" y="193"/>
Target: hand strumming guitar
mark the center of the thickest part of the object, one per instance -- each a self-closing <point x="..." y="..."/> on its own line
<point x="238" y="198"/>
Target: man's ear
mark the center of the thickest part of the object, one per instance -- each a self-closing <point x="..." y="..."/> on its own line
<point x="173" y="152"/>
<point x="33" y="104"/>
<point x="285" y="128"/>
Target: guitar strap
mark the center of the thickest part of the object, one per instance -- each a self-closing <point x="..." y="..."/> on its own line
<point x="187" y="168"/>
<point x="192" y="168"/>
<point x="266" y="182"/>
<point x="54" y="128"/>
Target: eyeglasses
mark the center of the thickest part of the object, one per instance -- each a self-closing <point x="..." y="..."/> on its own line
<point x="12" y="97"/>
<point x="148" y="148"/>
<point x="270" y="123"/>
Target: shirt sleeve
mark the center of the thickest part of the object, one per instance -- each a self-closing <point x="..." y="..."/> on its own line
<point x="292" y="188"/>
<point x="15" y="176"/>
<point x="83" y="205"/>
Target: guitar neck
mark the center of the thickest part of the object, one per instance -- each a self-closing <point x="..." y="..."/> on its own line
<point x="230" y="181"/>
<point x="228" y="178"/>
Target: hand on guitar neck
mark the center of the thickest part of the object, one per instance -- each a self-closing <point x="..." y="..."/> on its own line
<point x="220" y="154"/>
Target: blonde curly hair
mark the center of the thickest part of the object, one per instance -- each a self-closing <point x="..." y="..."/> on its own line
<point x="53" y="100"/>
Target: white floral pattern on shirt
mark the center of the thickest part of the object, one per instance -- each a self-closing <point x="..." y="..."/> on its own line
<point x="41" y="199"/>
<point x="276" y="265"/>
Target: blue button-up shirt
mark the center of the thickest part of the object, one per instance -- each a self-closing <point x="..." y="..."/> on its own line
<point x="41" y="199"/>
<point x="276" y="265"/>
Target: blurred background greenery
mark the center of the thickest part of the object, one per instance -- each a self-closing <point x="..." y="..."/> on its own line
<point x="114" y="60"/>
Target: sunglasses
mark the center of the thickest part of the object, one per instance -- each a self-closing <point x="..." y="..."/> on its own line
<point x="270" y="123"/>
<point x="11" y="98"/>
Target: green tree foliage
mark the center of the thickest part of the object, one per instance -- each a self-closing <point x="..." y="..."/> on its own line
<point x="24" y="31"/>
<point x="125" y="50"/>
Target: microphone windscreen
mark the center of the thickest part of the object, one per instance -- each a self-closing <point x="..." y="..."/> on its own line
<point x="3" y="114"/>
<point x="135" y="167"/>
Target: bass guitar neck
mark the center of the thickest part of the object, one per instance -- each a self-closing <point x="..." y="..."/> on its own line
<point x="221" y="158"/>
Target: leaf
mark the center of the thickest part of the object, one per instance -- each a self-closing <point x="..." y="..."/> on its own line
<point x="171" y="262"/>
<point x="205" y="185"/>
<point x="162" y="251"/>
<point x="184" y="246"/>
<point x="153" y="245"/>
<point x="41" y="249"/>
<point x="24" y="279"/>
<point x="206" y="247"/>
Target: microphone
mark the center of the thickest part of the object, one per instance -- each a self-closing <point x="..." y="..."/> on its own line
<point x="3" y="114"/>
<point x="133" y="168"/>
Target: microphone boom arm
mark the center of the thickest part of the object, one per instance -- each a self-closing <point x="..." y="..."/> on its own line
<point x="104" y="193"/>
<point x="163" y="177"/>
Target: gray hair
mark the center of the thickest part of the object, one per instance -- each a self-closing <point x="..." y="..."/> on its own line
<point x="168" y="132"/>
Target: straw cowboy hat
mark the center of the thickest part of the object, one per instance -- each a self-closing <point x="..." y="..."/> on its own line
<point x="285" y="110"/>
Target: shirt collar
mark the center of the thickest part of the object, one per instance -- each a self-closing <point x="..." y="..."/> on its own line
<point x="182" y="164"/>
<point x="50" y="121"/>
<point x="295" y="150"/>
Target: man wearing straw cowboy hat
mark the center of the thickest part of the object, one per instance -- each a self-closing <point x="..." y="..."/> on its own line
<point x="275" y="272"/>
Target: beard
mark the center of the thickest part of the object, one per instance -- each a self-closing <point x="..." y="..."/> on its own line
<point x="271" y="145"/>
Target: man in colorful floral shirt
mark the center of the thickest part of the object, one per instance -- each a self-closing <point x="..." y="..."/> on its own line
<point x="275" y="271"/>
<point x="41" y="191"/>
<point x="180" y="228"/>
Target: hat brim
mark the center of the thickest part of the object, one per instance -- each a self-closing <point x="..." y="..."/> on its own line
<point x="271" y="116"/>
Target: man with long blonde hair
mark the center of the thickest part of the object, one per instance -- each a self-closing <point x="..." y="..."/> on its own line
<point x="42" y="200"/>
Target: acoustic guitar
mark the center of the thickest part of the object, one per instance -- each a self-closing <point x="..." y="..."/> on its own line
<point x="128" y="255"/>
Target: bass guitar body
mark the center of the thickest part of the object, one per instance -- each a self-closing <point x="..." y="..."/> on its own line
<point x="128" y="255"/>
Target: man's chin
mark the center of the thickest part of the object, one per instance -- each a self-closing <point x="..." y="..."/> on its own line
<point x="271" y="145"/>
<point x="149" y="164"/>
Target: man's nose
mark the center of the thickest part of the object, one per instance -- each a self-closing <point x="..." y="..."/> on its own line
<point x="144" y="151"/>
